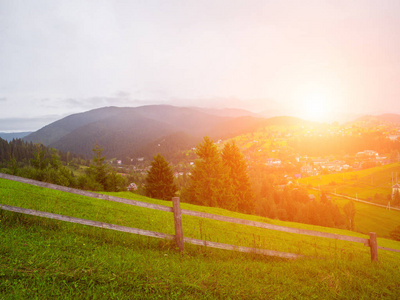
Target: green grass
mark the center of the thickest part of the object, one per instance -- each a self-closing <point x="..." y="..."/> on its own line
<point x="364" y="184"/>
<point x="370" y="218"/>
<point x="48" y="259"/>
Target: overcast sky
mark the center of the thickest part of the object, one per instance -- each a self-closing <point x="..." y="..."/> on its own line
<point x="63" y="57"/>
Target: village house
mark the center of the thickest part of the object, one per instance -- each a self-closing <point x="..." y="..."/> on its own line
<point x="395" y="189"/>
<point x="132" y="187"/>
<point x="308" y="170"/>
<point x="367" y="154"/>
<point x="393" y="137"/>
<point x="273" y="162"/>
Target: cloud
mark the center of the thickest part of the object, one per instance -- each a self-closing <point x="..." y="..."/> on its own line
<point x="3" y="99"/>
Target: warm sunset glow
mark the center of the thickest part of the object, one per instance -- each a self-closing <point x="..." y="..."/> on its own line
<point x="315" y="103"/>
<point x="316" y="109"/>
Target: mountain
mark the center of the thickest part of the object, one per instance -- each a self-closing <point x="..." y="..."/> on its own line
<point x="13" y="135"/>
<point x="227" y="112"/>
<point x="128" y="132"/>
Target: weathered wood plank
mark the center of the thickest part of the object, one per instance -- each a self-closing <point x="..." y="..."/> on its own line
<point x="241" y="249"/>
<point x="85" y="193"/>
<point x="388" y="249"/>
<point x="276" y="227"/>
<point x="48" y="215"/>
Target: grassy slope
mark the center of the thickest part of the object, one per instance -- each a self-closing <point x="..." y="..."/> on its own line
<point x="370" y="218"/>
<point x="51" y="259"/>
<point x="365" y="183"/>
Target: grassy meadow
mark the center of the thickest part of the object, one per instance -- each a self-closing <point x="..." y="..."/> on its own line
<point x="369" y="218"/>
<point x="364" y="184"/>
<point x="49" y="259"/>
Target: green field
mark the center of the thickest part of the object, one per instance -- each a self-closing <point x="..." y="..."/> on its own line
<point x="371" y="218"/>
<point x="364" y="184"/>
<point x="48" y="259"/>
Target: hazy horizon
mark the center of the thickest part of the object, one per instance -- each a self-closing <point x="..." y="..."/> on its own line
<point x="317" y="60"/>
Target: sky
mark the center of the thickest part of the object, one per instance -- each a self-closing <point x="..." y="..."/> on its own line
<point x="313" y="59"/>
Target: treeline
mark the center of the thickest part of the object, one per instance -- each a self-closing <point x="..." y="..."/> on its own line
<point x="21" y="154"/>
<point x="295" y="205"/>
<point x="276" y="199"/>
<point x="38" y="162"/>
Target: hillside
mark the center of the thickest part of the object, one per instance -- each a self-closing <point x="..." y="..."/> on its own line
<point x="131" y="132"/>
<point x="52" y="259"/>
<point x="374" y="184"/>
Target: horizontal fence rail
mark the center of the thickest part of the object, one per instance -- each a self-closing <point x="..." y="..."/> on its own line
<point x="85" y="193"/>
<point x="276" y="227"/>
<point x="371" y="242"/>
<point x="47" y="215"/>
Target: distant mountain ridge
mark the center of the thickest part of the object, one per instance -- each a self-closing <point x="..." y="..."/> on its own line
<point x="128" y="132"/>
<point x="379" y="119"/>
<point x="13" y="135"/>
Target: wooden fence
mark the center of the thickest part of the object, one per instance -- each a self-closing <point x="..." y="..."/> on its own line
<point x="177" y="212"/>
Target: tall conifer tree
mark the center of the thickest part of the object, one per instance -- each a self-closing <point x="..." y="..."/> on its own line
<point x="235" y="161"/>
<point x="210" y="183"/>
<point x="160" y="180"/>
<point x="98" y="167"/>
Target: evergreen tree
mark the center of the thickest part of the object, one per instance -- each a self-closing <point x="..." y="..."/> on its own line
<point x="242" y="193"/>
<point x="160" y="180"/>
<point x="39" y="161"/>
<point x="210" y="184"/>
<point x="98" y="169"/>
<point x="395" y="234"/>
<point x="350" y="212"/>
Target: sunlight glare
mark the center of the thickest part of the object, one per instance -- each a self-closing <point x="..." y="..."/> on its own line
<point x="315" y="104"/>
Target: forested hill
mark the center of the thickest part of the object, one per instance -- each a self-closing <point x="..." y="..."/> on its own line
<point x="143" y="131"/>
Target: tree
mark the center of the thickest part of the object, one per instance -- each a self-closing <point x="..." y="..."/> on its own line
<point x="98" y="169"/>
<point x="350" y="212"/>
<point x="39" y="161"/>
<point x="210" y="184"/>
<point x="160" y="180"/>
<point x="395" y="234"/>
<point x="324" y="197"/>
<point x="237" y="168"/>
<point x="115" y="182"/>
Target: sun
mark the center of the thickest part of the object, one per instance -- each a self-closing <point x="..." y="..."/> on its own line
<point x="315" y="104"/>
<point x="315" y="108"/>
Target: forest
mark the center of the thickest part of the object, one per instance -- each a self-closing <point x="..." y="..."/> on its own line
<point x="42" y="163"/>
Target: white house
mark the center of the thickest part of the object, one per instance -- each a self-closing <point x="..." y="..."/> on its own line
<point x="395" y="188"/>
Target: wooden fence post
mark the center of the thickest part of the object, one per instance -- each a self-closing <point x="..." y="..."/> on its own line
<point x="373" y="244"/>
<point x="176" y="207"/>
